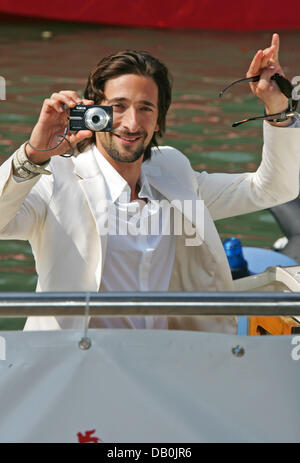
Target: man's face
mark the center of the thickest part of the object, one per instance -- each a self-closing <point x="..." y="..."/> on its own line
<point x="135" y="104"/>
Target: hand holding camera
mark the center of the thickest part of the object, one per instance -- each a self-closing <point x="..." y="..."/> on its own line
<point x="54" y="120"/>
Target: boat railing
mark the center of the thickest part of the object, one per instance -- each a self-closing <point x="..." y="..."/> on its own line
<point x="23" y="304"/>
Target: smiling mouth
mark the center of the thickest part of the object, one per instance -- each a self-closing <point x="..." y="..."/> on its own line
<point x="128" y="139"/>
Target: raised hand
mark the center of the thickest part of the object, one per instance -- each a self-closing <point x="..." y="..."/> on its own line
<point x="52" y="123"/>
<point x="266" y="63"/>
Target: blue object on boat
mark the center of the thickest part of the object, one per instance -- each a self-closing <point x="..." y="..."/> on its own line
<point x="248" y="261"/>
<point x="237" y="262"/>
<point x="239" y="269"/>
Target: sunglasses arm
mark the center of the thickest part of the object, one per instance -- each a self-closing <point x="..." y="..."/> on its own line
<point x="246" y="79"/>
<point x="284" y="115"/>
<point x="285" y="87"/>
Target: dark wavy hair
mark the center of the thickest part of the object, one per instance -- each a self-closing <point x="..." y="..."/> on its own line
<point x="131" y="62"/>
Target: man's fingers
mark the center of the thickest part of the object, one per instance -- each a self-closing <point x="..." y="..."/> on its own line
<point x="84" y="134"/>
<point x="76" y="137"/>
<point x="70" y="99"/>
<point x="266" y="84"/>
<point x="264" y="81"/>
<point x="268" y="57"/>
<point x="57" y="101"/>
<point x="276" y="43"/>
<point x="51" y="104"/>
<point x="87" y="102"/>
<point x="261" y="60"/>
<point x="255" y="64"/>
<point x="70" y="94"/>
<point x="62" y="100"/>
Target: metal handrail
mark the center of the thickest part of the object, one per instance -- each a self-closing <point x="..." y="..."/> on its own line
<point x="149" y="304"/>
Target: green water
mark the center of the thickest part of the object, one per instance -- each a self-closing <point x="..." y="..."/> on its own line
<point x="199" y="123"/>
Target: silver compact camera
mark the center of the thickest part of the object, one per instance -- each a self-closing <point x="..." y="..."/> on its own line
<point x="91" y="117"/>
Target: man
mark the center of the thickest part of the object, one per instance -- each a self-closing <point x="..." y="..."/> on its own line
<point x="62" y="214"/>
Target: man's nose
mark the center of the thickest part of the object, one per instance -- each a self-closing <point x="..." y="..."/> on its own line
<point x="130" y="120"/>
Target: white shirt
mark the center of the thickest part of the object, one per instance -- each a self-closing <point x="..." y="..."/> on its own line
<point x="136" y="260"/>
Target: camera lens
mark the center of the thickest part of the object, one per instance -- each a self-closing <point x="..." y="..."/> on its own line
<point x="96" y="119"/>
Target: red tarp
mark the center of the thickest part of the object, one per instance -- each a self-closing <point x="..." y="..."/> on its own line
<point x="191" y="14"/>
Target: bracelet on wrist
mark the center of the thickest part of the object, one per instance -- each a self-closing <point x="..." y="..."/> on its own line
<point x="26" y="168"/>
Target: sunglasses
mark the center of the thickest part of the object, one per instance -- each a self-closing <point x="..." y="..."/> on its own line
<point x="285" y="87"/>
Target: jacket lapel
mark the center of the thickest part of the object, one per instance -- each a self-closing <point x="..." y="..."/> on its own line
<point x="190" y="205"/>
<point x="207" y="248"/>
<point x="184" y="199"/>
<point x="93" y="186"/>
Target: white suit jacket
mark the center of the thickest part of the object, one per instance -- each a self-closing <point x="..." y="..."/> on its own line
<point x="61" y="218"/>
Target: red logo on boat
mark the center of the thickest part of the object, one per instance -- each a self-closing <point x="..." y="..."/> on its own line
<point x="87" y="437"/>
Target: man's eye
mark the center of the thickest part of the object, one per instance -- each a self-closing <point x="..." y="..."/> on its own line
<point x="118" y="106"/>
<point x="146" y="108"/>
